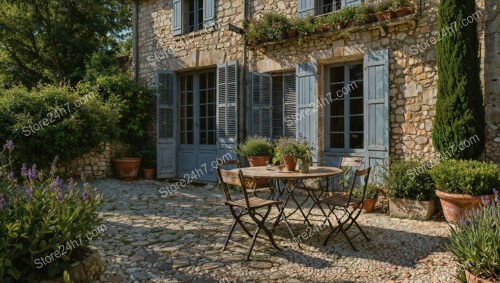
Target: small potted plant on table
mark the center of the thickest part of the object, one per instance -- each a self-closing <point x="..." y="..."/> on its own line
<point x="289" y="151"/>
<point x="257" y="150"/>
<point x="461" y="184"/>
<point x="411" y="190"/>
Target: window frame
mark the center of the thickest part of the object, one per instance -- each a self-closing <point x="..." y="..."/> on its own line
<point x="197" y="25"/>
<point x="347" y="111"/>
<point x="320" y="5"/>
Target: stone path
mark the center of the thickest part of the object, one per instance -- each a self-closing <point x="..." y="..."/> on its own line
<point x="153" y="238"/>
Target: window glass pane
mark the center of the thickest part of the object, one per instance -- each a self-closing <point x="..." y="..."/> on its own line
<point x="200" y="15"/>
<point x="189" y="138"/>
<point x="211" y="138"/>
<point x="356" y="123"/>
<point x="189" y="124"/>
<point x="337" y="140"/>
<point x="203" y="138"/>
<point x="337" y="124"/>
<point x="356" y="106"/>
<point x="337" y="107"/>
<point x="211" y="80"/>
<point x="355" y="72"/>
<point x="356" y="89"/>
<point x="337" y="75"/>
<point x="356" y="141"/>
<point x="337" y="90"/>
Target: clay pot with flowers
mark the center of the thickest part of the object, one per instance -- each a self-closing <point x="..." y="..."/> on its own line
<point x="289" y="151"/>
<point x="257" y="150"/>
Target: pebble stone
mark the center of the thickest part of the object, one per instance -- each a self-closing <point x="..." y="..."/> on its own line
<point x="179" y="238"/>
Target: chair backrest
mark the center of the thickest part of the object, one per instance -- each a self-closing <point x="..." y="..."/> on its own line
<point x="351" y="161"/>
<point x="231" y="178"/>
<point x="365" y="176"/>
<point x="231" y="162"/>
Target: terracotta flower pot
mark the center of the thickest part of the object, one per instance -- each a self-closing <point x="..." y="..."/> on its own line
<point x="255" y="161"/>
<point x="290" y="163"/>
<point x="368" y="205"/>
<point x="291" y="33"/>
<point x="127" y="168"/>
<point x="380" y="16"/>
<point x="402" y="11"/>
<point x="340" y="26"/>
<point x="149" y="173"/>
<point x="471" y="278"/>
<point x="457" y="205"/>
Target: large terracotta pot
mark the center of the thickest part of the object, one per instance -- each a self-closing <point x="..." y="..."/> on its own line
<point x="255" y="161"/>
<point x="290" y="163"/>
<point x="471" y="278"/>
<point x="368" y="205"/>
<point x="457" y="205"/>
<point x="127" y="168"/>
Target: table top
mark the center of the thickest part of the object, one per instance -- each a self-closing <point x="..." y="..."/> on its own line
<point x="314" y="172"/>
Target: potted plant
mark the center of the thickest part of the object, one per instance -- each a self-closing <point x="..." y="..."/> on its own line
<point x="257" y="150"/>
<point x="364" y="14"/>
<point x="348" y="14"/>
<point x="148" y="163"/>
<point x="127" y="165"/>
<point x="287" y="152"/>
<point x="401" y="8"/>
<point x="371" y="195"/>
<point x="383" y="12"/>
<point x="411" y="190"/>
<point x="475" y="243"/>
<point x="461" y="184"/>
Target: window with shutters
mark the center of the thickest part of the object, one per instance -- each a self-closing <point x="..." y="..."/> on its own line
<point x="345" y="114"/>
<point x="194" y="15"/>
<point x="319" y="7"/>
<point x="284" y="103"/>
<point x="328" y="6"/>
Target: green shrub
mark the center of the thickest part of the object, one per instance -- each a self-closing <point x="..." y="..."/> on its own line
<point x="37" y="216"/>
<point x="466" y="177"/>
<point x="255" y="146"/>
<point x="459" y="105"/>
<point x="56" y="120"/>
<point x="475" y="242"/>
<point x="410" y="179"/>
<point x="372" y="191"/>
<point x="298" y="149"/>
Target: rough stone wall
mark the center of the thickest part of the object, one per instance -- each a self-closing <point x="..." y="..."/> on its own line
<point x="413" y="70"/>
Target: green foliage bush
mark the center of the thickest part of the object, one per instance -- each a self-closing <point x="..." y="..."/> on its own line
<point x="475" y="242"/>
<point x="466" y="177"/>
<point x="372" y="191"/>
<point x="298" y="149"/>
<point x="459" y="106"/>
<point x="37" y="216"/>
<point x="255" y="146"/>
<point x="56" y="120"/>
<point x="410" y="179"/>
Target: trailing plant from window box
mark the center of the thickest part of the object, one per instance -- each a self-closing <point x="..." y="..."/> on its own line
<point x="410" y="179"/>
<point x="348" y="14"/>
<point x="255" y="146"/>
<point x="475" y="242"/>
<point x="275" y="26"/>
<point x="38" y="215"/>
<point x="470" y="177"/>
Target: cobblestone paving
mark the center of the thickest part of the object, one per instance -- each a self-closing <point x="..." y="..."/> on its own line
<point x="152" y="238"/>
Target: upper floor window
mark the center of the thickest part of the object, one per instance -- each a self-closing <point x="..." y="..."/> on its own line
<point x="318" y="7"/>
<point x="192" y="15"/>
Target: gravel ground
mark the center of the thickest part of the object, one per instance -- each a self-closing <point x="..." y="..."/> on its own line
<point x="153" y="238"/>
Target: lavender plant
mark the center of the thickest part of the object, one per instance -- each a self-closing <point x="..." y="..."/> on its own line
<point x="475" y="241"/>
<point x="38" y="214"/>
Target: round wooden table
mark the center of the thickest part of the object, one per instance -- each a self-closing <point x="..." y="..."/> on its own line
<point x="261" y="172"/>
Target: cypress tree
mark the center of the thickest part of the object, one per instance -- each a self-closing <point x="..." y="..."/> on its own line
<point x="459" y="108"/>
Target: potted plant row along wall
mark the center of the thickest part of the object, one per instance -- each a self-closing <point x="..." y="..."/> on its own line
<point x="461" y="185"/>
<point x="475" y="243"/>
<point x="411" y="190"/>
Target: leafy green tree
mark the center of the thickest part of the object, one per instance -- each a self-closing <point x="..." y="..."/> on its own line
<point x="459" y="107"/>
<point x="51" y="40"/>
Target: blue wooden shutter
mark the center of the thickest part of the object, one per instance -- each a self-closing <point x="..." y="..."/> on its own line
<point x="177" y="17"/>
<point x="306" y="8"/>
<point x="347" y="3"/>
<point x="227" y="107"/>
<point x="290" y="104"/>
<point x="166" y="128"/>
<point x="307" y="115"/>
<point x="260" y="86"/>
<point x="208" y="13"/>
<point x="376" y="94"/>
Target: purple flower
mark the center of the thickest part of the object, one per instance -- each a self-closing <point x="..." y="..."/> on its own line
<point x="11" y="176"/>
<point x="9" y="145"/>
<point x="29" y="194"/>
<point x="32" y="172"/>
<point x="24" y="170"/>
<point x="3" y="203"/>
<point x="485" y="201"/>
<point x="85" y="194"/>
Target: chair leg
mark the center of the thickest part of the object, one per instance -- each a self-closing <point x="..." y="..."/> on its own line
<point x="252" y="243"/>
<point x="262" y="225"/>
<point x="231" y="230"/>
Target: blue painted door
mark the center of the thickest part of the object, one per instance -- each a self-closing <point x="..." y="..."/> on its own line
<point x="306" y="118"/>
<point x="166" y="129"/>
<point x="376" y="88"/>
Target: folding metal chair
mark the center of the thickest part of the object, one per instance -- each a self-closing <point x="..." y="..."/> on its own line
<point x="345" y="208"/>
<point x="247" y="206"/>
<point x="348" y="164"/>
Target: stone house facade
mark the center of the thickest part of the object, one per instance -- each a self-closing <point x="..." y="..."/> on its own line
<point x="369" y="92"/>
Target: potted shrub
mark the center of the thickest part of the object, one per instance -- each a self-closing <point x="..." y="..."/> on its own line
<point x="411" y="190"/>
<point x="364" y="14"/>
<point x="288" y="151"/>
<point x="257" y="150"/>
<point x="401" y="8"/>
<point x="475" y="243"/>
<point x="348" y="14"/>
<point x="275" y="26"/>
<point x="371" y="195"/>
<point x="44" y="224"/>
<point x="127" y="165"/>
<point x="148" y="163"/>
<point x="383" y="12"/>
<point x="461" y="184"/>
